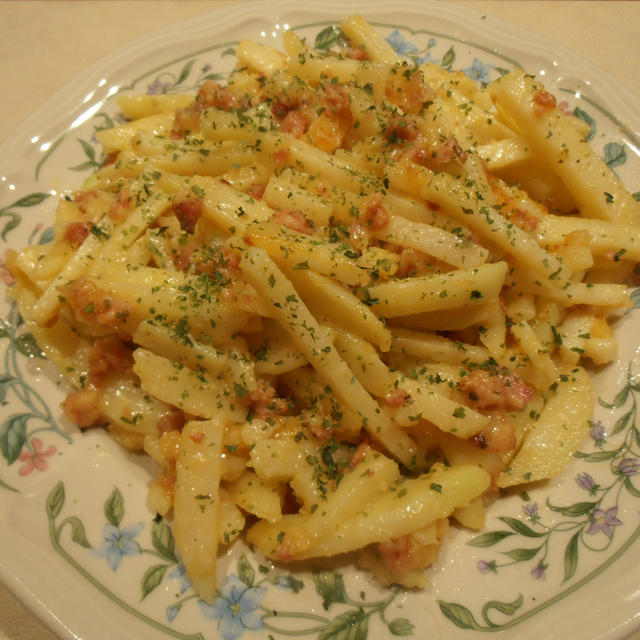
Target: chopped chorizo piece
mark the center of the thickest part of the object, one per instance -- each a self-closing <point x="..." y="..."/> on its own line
<point x="122" y="207"/>
<point x="544" y="100"/>
<point x="293" y="220"/>
<point x="496" y="391"/>
<point x="76" y="232"/>
<point x="357" y="53"/>
<point x="334" y="101"/>
<point x="256" y="191"/>
<point x="402" y="560"/>
<point x="213" y="94"/>
<point x="436" y="155"/>
<point x="397" y="398"/>
<point x="186" y="120"/>
<point x="91" y="303"/>
<point x="188" y="213"/>
<point x="294" y="123"/>
<point x="376" y="215"/>
<point x="408" y="89"/>
<point x="83" y="407"/>
<point x="281" y="157"/>
<point x="82" y="198"/>
<point x="108" y="354"/>
<point x="264" y="403"/>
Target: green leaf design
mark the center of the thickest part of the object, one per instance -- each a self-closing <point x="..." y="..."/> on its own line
<point x="330" y="586"/>
<point x="490" y="538"/>
<point x="228" y="52"/>
<point x="212" y="76"/>
<point x="184" y="74"/>
<point x="449" y="58"/>
<point x="6" y="381"/>
<point x="571" y="557"/>
<point x="55" y="501"/>
<point x="328" y="37"/>
<point x="46" y="236"/>
<point x="618" y="401"/>
<point x="459" y="615"/>
<point x="598" y="456"/>
<point x="163" y="541"/>
<point x="31" y="200"/>
<point x="287" y="581"/>
<point x="522" y="554"/>
<point x="246" y="572"/>
<point x="630" y="488"/>
<point x="503" y="72"/>
<point x="585" y="117"/>
<point x="88" y="149"/>
<point x="520" y="527"/>
<point x="401" y="627"/>
<point x="635" y="300"/>
<point x="622" y="422"/>
<point x="83" y="166"/>
<point x="352" y="625"/>
<point x="575" y="510"/>
<point x="114" y="508"/>
<point x="614" y="154"/>
<point x="11" y="224"/>
<point x="13" y="435"/>
<point x="636" y="196"/>
<point x="27" y="346"/>
<point x="506" y="608"/>
<point x="78" y="534"/>
<point x="152" y="578"/>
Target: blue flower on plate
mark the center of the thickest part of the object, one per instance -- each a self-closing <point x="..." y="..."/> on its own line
<point x="119" y="543"/>
<point x="399" y="44"/>
<point x="236" y="608"/>
<point x="427" y="57"/>
<point x="479" y="71"/>
<point x="180" y="573"/>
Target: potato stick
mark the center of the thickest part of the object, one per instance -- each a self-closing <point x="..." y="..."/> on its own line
<point x="620" y="241"/>
<point x="558" y="432"/>
<point x="179" y="346"/>
<point x="423" y="500"/>
<point x="435" y="348"/>
<point x="304" y="156"/>
<point x="259" y="57"/>
<point x="538" y="354"/>
<point x="419" y="401"/>
<point x="138" y="106"/>
<point x="117" y="138"/>
<point x="456" y="289"/>
<point x="361" y="484"/>
<point x="470" y="205"/>
<point x="363" y="35"/>
<point x="327" y="298"/>
<point x="446" y="319"/>
<point x="595" y="188"/>
<point x="197" y="503"/>
<point x="311" y="339"/>
<point x="433" y="241"/>
<point x="298" y="249"/>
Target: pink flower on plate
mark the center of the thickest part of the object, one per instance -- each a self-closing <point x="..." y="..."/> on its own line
<point x="564" y="107"/>
<point x="5" y="275"/>
<point x="36" y="459"/>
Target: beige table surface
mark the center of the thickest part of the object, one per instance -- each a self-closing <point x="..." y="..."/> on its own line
<point x="45" y="44"/>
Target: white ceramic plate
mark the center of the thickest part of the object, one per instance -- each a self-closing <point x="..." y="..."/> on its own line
<point x="79" y="545"/>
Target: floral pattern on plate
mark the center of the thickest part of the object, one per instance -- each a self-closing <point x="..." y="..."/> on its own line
<point x="562" y="541"/>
